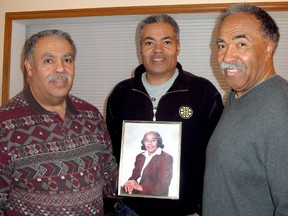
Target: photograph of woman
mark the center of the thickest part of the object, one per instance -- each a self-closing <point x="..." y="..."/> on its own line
<point x="153" y="168"/>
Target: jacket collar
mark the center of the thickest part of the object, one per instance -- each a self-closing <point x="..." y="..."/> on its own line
<point x="179" y="84"/>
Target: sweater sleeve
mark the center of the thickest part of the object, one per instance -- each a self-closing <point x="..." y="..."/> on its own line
<point x="110" y="167"/>
<point x="5" y="169"/>
<point x="277" y="171"/>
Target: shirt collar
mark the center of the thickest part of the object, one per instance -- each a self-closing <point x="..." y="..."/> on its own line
<point x="37" y="108"/>
<point x="157" y="152"/>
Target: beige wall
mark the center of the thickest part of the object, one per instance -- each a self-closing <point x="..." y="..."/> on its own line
<point x="37" y="5"/>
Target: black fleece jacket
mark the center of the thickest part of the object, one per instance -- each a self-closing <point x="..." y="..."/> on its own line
<point x="130" y="101"/>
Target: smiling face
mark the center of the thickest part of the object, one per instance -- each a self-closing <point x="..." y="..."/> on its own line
<point x="245" y="55"/>
<point x="150" y="142"/>
<point x="159" y="49"/>
<point x="52" y="72"/>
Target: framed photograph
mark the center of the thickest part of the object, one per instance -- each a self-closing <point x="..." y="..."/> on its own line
<point x="150" y="159"/>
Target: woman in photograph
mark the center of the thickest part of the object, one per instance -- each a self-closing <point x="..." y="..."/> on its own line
<point x="153" y="168"/>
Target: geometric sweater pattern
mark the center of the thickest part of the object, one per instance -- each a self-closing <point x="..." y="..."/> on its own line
<point x="50" y="166"/>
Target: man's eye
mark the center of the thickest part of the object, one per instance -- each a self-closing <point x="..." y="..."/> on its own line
<point x="69" y="60"/>
<point x="167" y="42"/>
<point x="48" y="61"/>
<point x="220" y="46"/>
<point x="241" y="44"/>
<point x="148" y="43"/>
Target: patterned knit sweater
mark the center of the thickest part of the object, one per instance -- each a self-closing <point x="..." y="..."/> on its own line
<point x="50" y="166"/>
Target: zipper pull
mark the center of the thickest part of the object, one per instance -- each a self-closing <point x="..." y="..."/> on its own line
<point x="154" y="113"/>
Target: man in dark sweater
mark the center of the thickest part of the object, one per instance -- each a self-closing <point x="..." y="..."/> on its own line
<point x="162" y="91"/>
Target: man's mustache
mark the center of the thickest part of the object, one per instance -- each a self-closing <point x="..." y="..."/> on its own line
<point x="232" y="66"/>
<point x="58" y="77"/>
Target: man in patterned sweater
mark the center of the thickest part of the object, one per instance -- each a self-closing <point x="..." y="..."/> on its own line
<point x="55" y="150"/>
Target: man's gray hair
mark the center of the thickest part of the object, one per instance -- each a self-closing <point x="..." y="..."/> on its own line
<point x="157" y="18"/>
<point x="30" y="42"/>
<point x="268" y="24"/>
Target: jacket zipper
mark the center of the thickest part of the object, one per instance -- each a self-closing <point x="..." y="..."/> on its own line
<point x="155" y="108"/>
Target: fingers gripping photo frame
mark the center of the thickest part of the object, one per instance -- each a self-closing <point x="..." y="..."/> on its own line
<point x="150" y="159"/>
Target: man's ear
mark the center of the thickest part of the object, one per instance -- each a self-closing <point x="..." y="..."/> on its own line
<point x="178" y="47"/>
<point x="28" y="67"/>
<point x="271" y="47"/>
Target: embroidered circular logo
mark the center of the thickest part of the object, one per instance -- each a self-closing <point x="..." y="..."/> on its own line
<point x="185" y="112"/>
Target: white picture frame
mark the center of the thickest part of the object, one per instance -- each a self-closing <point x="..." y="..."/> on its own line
<point x="133" y="148"/>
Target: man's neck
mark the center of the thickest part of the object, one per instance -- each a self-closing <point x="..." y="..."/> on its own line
<point x="158" y="79"/>
<point x="52" y="105"/>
